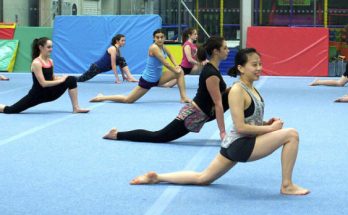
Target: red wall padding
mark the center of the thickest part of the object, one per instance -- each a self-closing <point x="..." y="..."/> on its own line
<point x="290" y="51"/>
<point x="7" y="30"/>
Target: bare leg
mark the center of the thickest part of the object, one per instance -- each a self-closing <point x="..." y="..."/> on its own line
<point x="4" y="78"/>
<point x="129" y="77"/>
<point x="168" y="76"/>
<point x="268" y="143"/>
<point x="170" y="84"/>
<point x="336" y="83"/>
<point x="218" y="167"/>
<point x="111" y="135"/>
<point x="134" y="95"/>
<point x="196" y="70"/>
<point x="74" y="102"/>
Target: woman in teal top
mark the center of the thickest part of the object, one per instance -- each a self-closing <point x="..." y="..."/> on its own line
<point x="153" y="75"/>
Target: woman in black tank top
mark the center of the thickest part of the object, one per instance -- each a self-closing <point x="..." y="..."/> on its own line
<point x="210" y="102"/>
<point x="46" y="86"/>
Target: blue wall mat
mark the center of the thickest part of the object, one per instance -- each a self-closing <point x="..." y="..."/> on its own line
<point x="82" y="40"/>
<point x="229" y="62"/>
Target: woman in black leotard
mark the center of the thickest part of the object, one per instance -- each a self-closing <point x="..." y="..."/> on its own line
<point x="46" y="86"/>
<point x="209" y="103"/>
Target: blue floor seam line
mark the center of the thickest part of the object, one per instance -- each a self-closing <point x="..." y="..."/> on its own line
<point x="162" y="202"/>
<point x="12" y="90"/>
<point x="46" y="125"/>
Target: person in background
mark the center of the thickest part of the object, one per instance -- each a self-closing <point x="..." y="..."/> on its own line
<point x="111" y="58"/>
<point x="189" y="62"/>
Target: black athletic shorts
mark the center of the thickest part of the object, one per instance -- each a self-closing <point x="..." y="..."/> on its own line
<point x="239" y="150"/>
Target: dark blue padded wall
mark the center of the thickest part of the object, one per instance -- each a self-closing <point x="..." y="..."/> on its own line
<point x="229" y="62"/>
<point x="81" y="40"/>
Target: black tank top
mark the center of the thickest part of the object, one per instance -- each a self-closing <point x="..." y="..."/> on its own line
<point x="203" y="98"/>
<point x="47" y="70"/>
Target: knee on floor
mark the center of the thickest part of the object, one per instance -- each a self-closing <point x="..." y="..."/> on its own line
<point x="203" y="180"/>
<point x="128" y="101"/>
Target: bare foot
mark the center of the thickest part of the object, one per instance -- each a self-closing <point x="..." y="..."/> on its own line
<point x="111" y="135"/>
<point x="293" y="189"/>
<point x="314" y="83"/>
<point x="3" y="78"/>
<point x="97" y="98"/>
<point x="148" y="178"/>
<point x="185" y="100"/>
<point x="2" y="107"/>
<point x="79" y="110"/>
<point x="342" y="99"/>
<point x="131" y="80"/>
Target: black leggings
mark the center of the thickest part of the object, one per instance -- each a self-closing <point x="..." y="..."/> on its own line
<point x="35" y="97"/>
<point x="89" y="74"/>
<point x="94" y="70"/>
<point x="172" y="131"/>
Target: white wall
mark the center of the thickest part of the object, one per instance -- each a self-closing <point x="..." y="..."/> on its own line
<point x="16" y="11"/>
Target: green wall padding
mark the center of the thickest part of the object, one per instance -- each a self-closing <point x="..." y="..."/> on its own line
<point x="26" y="35"/>
<point x="8" y="51"/>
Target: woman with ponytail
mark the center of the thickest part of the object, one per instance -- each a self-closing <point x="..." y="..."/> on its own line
<point x="46" y="86"/>
<point x="209" y="103"/>
<point x="250" y="139"/>
<point x="111" y="58"/>
<point x="189" y="63"/>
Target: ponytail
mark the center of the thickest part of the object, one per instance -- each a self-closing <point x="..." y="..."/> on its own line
<point x="204" y="52"/>
<point x="186" y="34"/>
<point x="35" y="48"/>
<point x="116" y="38"/>
<point x="233" y="71"/>
<point x="241" y="59"/>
